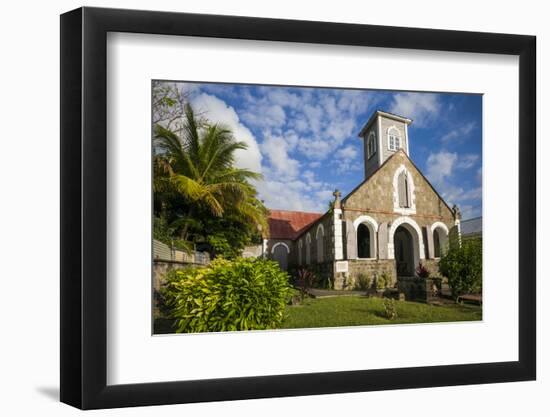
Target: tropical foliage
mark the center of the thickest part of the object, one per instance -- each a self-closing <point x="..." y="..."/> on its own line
<point x="200" y="196"/>
<point x="462" y="265"/>
<point x="422" y="271"/>
<point x="243" y="294"/>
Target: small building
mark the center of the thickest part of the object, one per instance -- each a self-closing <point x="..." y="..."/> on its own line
<point x="471" y="228"/>
<point x="392" y="221"/>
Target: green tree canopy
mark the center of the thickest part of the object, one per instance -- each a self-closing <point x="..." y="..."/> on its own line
<point x="199" y="191"/>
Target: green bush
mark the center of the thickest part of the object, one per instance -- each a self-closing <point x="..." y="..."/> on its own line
<point x="362" y="282"/>
<point x="390" y="311"/>
<point x="382" y="281"/>
<point x="462" y="265"/>
<point x="244" y="294"/>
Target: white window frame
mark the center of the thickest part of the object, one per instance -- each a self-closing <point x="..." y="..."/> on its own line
<point x="394" y="139"/>
<point x="371" y="145"/>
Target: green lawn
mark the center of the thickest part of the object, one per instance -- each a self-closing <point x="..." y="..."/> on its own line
<point x="355" y="311"/>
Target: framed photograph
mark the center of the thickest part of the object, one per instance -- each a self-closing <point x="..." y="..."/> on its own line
<point x="258" y="208"/>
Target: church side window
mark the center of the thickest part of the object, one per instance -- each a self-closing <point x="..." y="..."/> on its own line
<point x="363" y="241"/>
<point x="394" y="140"/>
<point x="308" y="249"/>
<point x="403" y="189"/>
<point x="371" y="145"/>
<point x="320" y="237"/>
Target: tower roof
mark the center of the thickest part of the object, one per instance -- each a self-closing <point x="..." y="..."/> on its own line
<point x="386" y="114"/>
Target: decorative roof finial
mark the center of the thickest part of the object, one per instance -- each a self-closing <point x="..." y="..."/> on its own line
<point x="456" y="212"/>
<point x="337" y="194"/>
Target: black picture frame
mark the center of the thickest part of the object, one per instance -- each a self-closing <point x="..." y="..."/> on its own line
<point x="84" y="207"/>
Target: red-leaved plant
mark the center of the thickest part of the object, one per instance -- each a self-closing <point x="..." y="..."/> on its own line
<point x="305" y="281"/>
<point x="422" y="271"/>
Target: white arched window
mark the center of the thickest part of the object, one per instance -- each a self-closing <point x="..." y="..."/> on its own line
<point x="371" y="145"/>
<point x="300" y="245"/>
<point x="308" y="249"/>
<point x="403" y="191"/>
<point x="365" y="230"/>
<point x="440" y="238"/>
<point x="319" y="237"/>
<point x="394" y="139"/>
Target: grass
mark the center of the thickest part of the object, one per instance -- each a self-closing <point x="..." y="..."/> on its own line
<point x="361" y="311"/>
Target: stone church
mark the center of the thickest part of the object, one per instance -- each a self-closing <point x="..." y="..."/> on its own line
<point x="392" y="221"/>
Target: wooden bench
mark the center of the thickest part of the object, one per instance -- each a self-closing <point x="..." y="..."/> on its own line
<point x="470" y="298"/>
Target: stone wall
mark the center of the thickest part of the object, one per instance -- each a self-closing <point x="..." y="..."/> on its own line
<point x="160" y="268"/>
<point x="375" y="197"/>
<point x="371" y="267"/>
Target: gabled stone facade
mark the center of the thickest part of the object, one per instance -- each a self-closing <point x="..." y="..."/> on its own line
<point x="387" y="225"/>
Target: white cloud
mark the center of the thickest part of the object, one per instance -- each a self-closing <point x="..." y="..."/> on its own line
<point x="315" y="148"/>
<point x="440" y="170"/>
<point x="276" y="150"/>
<point x="440" y="166"/>
<point x="459" y="133"/>
<point x="467" y="161"/>
<point x="282" y="97"/>
<point x="325" y="195"/>
<point x="421" y="107"/>
<point x="313" y="121"/>
<point x="265" y="115"/>
<point x="347" y="152"/>
<point x="217" y="111"/>
<point x="288" y="196"/>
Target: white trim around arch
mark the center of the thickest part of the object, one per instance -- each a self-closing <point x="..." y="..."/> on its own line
<point x="443" y="240"/>
<point x="373" y="228"/>
<point x="416" y="232"/>
<point x="279" y="244"/>
<point x="320" y="227"/>
<point x="320" y="242"/>
<point x="440" y="224"/>
<point x="396" y="208"/>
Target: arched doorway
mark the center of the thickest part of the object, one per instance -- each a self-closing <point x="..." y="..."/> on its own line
<point x="280" y="255"/>
<point x="403" y="243"/>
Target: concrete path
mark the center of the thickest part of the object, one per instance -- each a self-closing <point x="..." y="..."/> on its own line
<point x="322" y="293"/>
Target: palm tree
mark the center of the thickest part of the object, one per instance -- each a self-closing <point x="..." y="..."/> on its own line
<point x="199" y="165"/>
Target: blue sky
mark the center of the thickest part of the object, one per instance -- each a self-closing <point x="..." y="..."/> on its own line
<point x="304" y="140"/>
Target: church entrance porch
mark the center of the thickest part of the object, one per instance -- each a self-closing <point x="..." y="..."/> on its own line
<point x="404" y="252"/>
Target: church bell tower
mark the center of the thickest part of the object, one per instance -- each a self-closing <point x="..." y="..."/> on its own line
<point x="383" y="135"/>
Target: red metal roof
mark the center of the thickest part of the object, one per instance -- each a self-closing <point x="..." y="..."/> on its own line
<point x="284" y="224"/>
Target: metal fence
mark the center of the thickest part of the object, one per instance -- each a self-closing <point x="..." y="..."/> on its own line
<point x="163" y="252"/>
